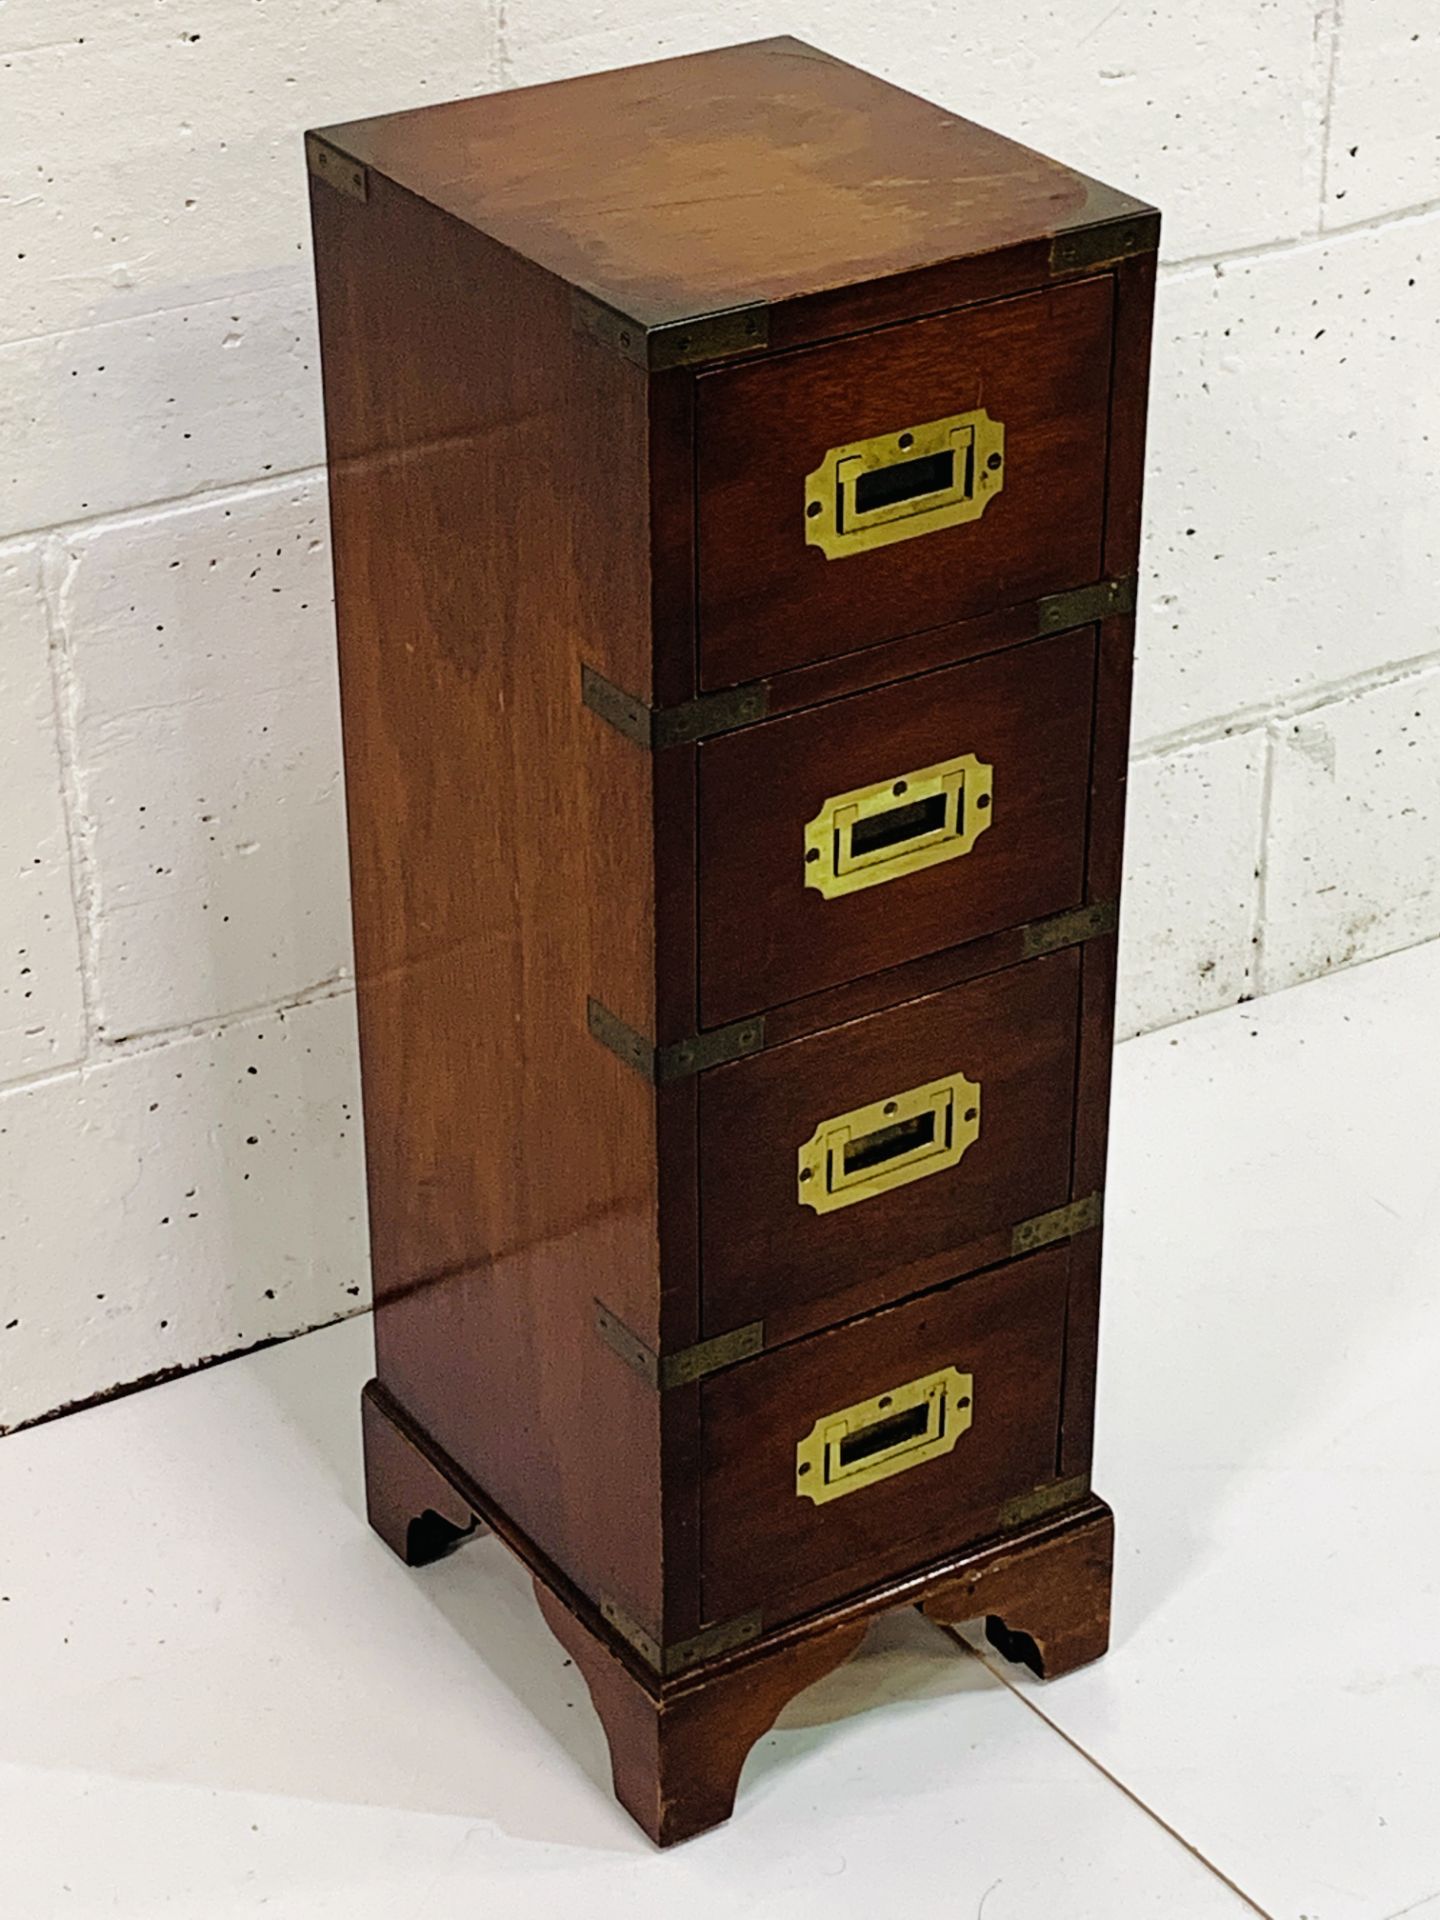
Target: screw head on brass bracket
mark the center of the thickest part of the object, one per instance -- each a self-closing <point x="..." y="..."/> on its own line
<point x="1070" y="929"/>
<point x="1063" y="1223"/>
<point x="681" y="1655"/>
<point x="1043" y="1500"/>
<point x="1083" y="606"/>
<point x="656" y="727"/>
<point x="680" y="1058"/>
<point x="337" y="169"/>
<point x="676" y="343"/>
<point x="1089" y="249"/>
<point x="663" y="1370"/>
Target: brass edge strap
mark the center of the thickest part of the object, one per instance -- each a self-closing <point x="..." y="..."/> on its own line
<point x="645" y="1644"/>
<point x="676" y="343"/>
<point x="619" y="709"/>
<point x="1090" y="248"/>
<point x="709" y="1644"/>
<point x="655" y="727"/>
<point x="689" y="1363"/>
<point x="681" y="1058"/>
<point x="733" y="707"/>
<point x="330" y="164"/>
<point x="682" y="1654"/>
<point x="1042" y="1500"/>
<point x="1081" y="606"/>
<point x="1064" y="1223"/>
<point x="1070" y="929"/>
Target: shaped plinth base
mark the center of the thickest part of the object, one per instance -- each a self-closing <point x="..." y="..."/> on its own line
<point x="678" y="1743"/>
<point x="411" y="1504"/>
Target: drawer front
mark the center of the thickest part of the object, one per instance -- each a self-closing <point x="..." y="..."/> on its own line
<point x="851" y="1156"/>
<point x="841" y="1459"/>
<point x="901" y="479"/>
<point x="893" y="823"/>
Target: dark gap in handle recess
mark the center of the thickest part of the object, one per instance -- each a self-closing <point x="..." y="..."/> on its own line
<point x="888" y="1143"/>
<point x="888" y="829"/>
<point x="906" y="480"/>
<point x="913" y="1424"/>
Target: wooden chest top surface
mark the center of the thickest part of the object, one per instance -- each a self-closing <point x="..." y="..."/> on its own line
<point x="755" y="173"/>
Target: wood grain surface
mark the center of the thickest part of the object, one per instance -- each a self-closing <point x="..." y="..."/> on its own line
<point x="765" y="1256"/>
<point x="501" y="865"/>
<point x="1039" y="364"/>
<point x="515" y="494"/>
<point x="765" y="1545"/>
<point x="760" y="172"/>
<point x="766" y="936"/>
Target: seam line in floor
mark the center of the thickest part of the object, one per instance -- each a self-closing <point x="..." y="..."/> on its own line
<point x="996" y="1670"/>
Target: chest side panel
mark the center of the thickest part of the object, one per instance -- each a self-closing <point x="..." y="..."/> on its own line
<point x="501" y="861"/>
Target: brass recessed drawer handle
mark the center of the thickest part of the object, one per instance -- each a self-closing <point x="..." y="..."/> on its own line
<point x="889" y="1143"/>
<point x="856" y="1446"/>
<point x="899" y="485"/>
<point x="897" y="826"/>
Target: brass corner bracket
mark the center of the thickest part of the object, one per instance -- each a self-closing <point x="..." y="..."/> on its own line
<point x="337" y="169"/>
<point x="680" y="1058"/>
<point x="1083" y="606"/>
<point x="1089" y="249"/>
<point x="681" y="1655"/>
<point x="1063" y="1223"/>
<point x="1044" y="1500"/>
<point x="675" y="343"/>
<point x="1070" y="929"/>
<point x="656" y="727"/>
<point x="662" y="1371"/>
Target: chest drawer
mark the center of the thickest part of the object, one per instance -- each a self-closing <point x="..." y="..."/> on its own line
<point x="856" y="1157"/>
<point x="901" y="479"/>
<point x="874" y="1446"/>
<point x="892" y="824"/>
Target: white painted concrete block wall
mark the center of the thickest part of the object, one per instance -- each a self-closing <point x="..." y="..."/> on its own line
<point x="179" y="1151"/>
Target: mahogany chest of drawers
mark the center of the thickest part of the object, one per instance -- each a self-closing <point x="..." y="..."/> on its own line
<point x="735" y="476"/>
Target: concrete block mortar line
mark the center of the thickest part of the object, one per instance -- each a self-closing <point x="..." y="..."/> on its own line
<point x="1171" y="268"/>
<point x="1308" y="700"/>
<point x="268" y="280"/>
<point x="1261" y="898"/>
<point x="113" y="517"/>
<point x="57" y="568"/>
<point x="1321" y="237"/>
<point x="1171" y="271"/>
<point x="149" y="1039"/>
<point x="107" y="1053"/>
